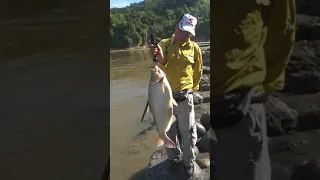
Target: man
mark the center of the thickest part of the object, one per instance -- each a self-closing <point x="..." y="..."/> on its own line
<point x="252" y="41"/>
<point x="181" y="60"/>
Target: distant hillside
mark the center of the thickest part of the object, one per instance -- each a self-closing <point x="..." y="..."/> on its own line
<point x="131" y="26"/>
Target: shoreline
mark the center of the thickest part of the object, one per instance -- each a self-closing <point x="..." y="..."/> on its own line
<point x="145" y="47"/>
<point x="128" y="49"/>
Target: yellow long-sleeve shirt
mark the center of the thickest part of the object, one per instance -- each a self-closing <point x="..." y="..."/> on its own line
<point x="247" y="52"/>
<point x="184" y="64"/>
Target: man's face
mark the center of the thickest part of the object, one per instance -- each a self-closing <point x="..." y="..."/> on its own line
<point x="181" y="36"/>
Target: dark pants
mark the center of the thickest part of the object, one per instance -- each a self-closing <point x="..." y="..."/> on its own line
<point x="239" y="150"/>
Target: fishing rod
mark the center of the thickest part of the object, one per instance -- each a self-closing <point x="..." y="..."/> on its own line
<point x="155" y="60"/>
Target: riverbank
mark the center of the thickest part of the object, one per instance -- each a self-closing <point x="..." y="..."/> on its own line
<point x="145" y="47"/>
<point x="128" y="49"/>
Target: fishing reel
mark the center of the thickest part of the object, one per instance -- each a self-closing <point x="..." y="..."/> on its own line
<point x="153" y="42"/>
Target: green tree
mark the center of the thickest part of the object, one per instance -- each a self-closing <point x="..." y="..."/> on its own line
<point x="132" y="25"/>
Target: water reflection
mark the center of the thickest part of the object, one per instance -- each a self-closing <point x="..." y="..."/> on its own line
<point x="130" y="64"/>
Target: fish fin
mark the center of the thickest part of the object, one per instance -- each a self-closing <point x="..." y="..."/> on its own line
<point x="174" y="102"/>
<point x="169" y="143"/>
<point x="159" y="142"/>
<point x="148" y="109"/>
<point x="163" y="88"/>
<point x="171" y="121"/>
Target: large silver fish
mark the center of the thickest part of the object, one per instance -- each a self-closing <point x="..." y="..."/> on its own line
<point x="161" y="105"/>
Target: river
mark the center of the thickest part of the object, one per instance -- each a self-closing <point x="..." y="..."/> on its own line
<point x="54" y="106"/>
<point x="54" y="111"/>
<point x="129" y="78"/>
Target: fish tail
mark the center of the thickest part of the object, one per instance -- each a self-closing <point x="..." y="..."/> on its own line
<point x="166" y="141"/>
<point x="169" y="143"/>
<point x="159" y="142"/>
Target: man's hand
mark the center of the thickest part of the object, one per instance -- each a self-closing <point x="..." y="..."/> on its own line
<point x="156" y="50"/>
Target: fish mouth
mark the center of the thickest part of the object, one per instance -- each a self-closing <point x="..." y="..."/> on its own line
<point x="156" y="75"/>
<point x="160" y="80"/>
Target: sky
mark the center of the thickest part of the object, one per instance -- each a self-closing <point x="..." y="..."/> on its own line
<point x="122" y="3"/>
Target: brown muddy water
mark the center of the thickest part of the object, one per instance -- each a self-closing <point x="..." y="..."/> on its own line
<point x="54" y="107"/>
<point x="54" y="122"/>
<point x="129" y="78"/>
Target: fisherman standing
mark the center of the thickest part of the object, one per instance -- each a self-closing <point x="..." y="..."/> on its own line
<point x="252" y="42"/>
<point x="181" y="60"/>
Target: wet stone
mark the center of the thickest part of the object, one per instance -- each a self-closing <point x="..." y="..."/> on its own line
<point x="160" y="168"/>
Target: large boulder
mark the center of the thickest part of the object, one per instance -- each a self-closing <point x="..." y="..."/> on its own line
<point x="311" y="119"/>
<point x="280" y="117"/>
<point x="306" y="170"/>
<point x="308" y="27"/>
<point x="308" y="107"/>
<point x="304" y="68"/>
<point x="159" y="168"/>
<point x="205" y="120"/>
<point x="309" y="7"/>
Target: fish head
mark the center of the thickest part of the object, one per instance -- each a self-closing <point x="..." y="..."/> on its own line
<point x="156" y="74"/>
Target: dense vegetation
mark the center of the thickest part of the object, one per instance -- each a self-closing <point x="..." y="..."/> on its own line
<point x="131" y="26"/>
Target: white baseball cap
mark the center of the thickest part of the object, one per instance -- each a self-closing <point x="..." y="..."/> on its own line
<point x="188" y="23"/>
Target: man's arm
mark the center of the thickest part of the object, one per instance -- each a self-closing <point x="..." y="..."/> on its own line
<point x="279" y="43"/>
<point x="197" y="71"/>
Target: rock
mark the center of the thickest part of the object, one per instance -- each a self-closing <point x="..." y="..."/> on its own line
<point x="310" y="79"/>
<point x="280" y="117"/>
<point x="286" y="161"/>
<point x="204" y="46"/>
<point x="145" y="131"/>
<point x="206" y="142"/>
<point x="201" y="109"/>
<point x="134" y="149"/>
<point x="206" y="69"/>
<point x="311" y="119"/>
<point x="308" y="27"/>
<point x="159" y="168"/>
<point x="201" y="131"/>
<point x="197" y="98"/>
<point x="205" y="120"/>
<point x="304" y="68"/>
<point x="205" y="95"/>
<point x="308" y="107"/>
<point x="203" y="162"/>
<point x="310" y="7"/>
<point x="205" y="83"/>
<point x="206" y="57"/>
<point x="307" y="170"/>
<point x="205" y="79"/>
<point x="202" y="145"/>
<point x="197" y="120"/>
<point x="205" y="87"/>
